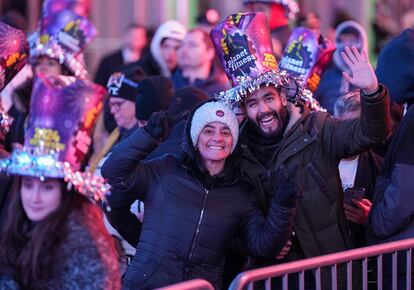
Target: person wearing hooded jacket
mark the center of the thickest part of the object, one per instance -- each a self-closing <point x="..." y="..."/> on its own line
<point x="333" y="84"/>
<point x="391" y="216"/>
<point x="162" y="59"/>
<point x="196" y="203"/>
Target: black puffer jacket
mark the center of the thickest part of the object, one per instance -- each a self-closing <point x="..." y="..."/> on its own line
<point x="190" y="217"/>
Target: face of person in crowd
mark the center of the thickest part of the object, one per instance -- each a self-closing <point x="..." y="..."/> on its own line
<point x="313" y="22"/>
<point x="48" y="66"/>
<point x="40" y="198"/>
<point x="123" y="111"/>
<point x="267" y="109"/>
<point x="349" y="39"/>
<point x="193" y="51"/>
<point x="215" y="142"/>
<point x="135" y="38"/>
<point x="169" y="49"/>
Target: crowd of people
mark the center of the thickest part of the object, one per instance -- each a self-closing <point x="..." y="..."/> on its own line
<point x="200" y="153"/>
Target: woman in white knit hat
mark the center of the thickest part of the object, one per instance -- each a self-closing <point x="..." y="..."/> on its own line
<point x="195" y="203"/>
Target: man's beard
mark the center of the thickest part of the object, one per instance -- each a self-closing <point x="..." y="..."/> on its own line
<point x="282" y="118"/>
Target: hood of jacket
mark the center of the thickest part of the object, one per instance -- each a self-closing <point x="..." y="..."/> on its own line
<point x="169" y="29"/>
<point x="350" y="27"/>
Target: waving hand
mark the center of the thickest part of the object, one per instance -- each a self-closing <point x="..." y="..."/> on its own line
<point x="363" y="75"/>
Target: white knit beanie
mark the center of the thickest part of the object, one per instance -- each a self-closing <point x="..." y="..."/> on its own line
<point x="215" y="111"/>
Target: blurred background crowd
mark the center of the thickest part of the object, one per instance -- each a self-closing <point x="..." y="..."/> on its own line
<point x="382" y="19"/>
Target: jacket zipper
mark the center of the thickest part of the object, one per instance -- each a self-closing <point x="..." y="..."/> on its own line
<point x="200" y="219"/>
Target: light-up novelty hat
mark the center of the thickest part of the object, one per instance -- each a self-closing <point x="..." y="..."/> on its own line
<point x="243" y="44"/>
<point x="63" y="36"/>
<point x="14" y="50"/>
<point x="306" y="57"/>
<point x="63" y="110"/>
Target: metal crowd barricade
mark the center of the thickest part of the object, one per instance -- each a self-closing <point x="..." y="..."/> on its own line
<point x="247" y="279"/>
<point x="196" y="284"/>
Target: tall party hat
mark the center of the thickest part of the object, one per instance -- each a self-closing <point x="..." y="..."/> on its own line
<point x="306" y="56"/>
<point x="63" y="110"/>
<point x="244" y="46"/>
<point x="63" y="36"/>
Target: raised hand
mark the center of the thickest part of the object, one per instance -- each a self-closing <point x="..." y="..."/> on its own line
<point x="363" y="75"/>
<point x="160" y="122"/>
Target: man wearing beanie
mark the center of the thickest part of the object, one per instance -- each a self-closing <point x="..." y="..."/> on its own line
<point x="195" y="203"/>
<point x="122" y="89"/>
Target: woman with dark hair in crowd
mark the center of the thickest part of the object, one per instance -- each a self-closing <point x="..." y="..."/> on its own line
<point x="54" y="238"/>
<point x="51" y="236"/>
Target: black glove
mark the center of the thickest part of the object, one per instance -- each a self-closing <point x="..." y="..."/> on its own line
<point x="286" y="188"/>
<point x="160" y="122"/>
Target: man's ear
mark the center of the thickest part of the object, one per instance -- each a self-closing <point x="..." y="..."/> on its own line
<point x="283" y="98"/>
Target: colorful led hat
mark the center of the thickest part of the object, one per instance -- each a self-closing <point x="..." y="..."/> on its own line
<point x="63" y="36"/>
<point x="243" y="44"/>
<point x="306" y="56"/>
<point x="63" y="110"/>
<point x="13" y="52"/>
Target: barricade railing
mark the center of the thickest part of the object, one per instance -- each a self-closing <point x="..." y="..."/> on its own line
<point x="247" y="279"/>
<point x="196" y="284"/>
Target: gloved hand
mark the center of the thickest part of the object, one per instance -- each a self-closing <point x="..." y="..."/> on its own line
<point x="286" y="188"/>
<point x="160" y="122"/>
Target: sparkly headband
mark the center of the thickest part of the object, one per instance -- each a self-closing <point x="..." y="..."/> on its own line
<point x="37" y="163"/>
<point x="290" y="85"/>
<point x="74" y="63"/>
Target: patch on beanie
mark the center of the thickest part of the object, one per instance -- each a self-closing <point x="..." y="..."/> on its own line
<point x="219" y="113"/>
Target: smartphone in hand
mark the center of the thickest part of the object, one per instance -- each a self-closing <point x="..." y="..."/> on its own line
<point x="357" y="193"/>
